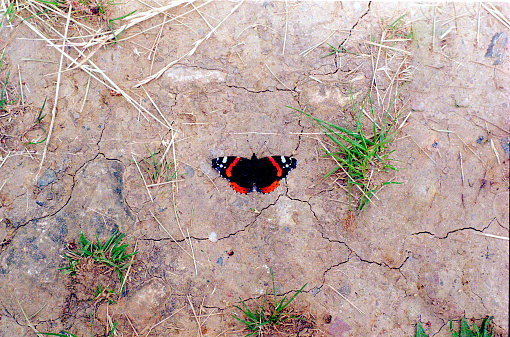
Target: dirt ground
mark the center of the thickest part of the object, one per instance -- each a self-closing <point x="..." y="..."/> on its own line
<point x="195" y="81"/>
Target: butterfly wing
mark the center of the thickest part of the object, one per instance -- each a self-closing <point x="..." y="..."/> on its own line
<point x="270" y="170"/>
<point x="237" y="170"/>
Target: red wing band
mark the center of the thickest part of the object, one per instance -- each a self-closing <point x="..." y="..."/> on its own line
<point x="239" y="189"/>
<point x="271" y="187"/>
<point x="278" y="169"/>
<point x="228" y="172"/>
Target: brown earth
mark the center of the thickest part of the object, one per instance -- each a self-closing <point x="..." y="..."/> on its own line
<point x="422" y="250"/>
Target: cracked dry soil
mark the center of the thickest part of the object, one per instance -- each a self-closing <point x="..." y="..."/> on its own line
<point x="419" y="252"/>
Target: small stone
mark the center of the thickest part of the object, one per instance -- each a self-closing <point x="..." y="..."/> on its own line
<point x="213" y="237"/>
<point x="506" y="146"/>
<point x="189" y="171"/>
<point x="47" y="178"/>
<point x="220" y="261"/>
<point x="76" y="115"/>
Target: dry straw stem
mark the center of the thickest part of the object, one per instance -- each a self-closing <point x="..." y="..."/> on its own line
<point x="129" y="269"/>
<point x="346" y="173"/>
<point x="157" y="108"/>
<point x="170" y="235"/>
<point x="162" y="321"/>
<point x="495" y="152"/>
<point x="154" y="48"/>
<point x="5" y="159"/>
<point x="195" y="316"/>
<point x="57" y="88"/>
<point x="286" y="87"/>
<point x="86" y="94"/>
<point x="497" y="14"/>
<point x="192" y="252"/>
<point x="141" y="175"/>
<point x="461" y="168"/>
<point x="388" y="47"/>
<point x="434" y="30"/>
<point x="470" y="149"/>
<point x="28" y="320"/>
<point x="92" y="69"/>
<point x="189" y="53"/>
<point x="286" y="27"/>
<point x="307" y="51"/>
<point x="422" y="150"/>
<point x="345" y="298"/>
<point x="21" y="87"/>
<point x="493" y="236"/>
<point x="173" y="181"/>
<point x="200" y="13"/>
<point x="375" y="66"/>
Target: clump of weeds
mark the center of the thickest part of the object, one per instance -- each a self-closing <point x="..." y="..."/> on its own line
<point x="92" y="262"/>
<point x="64" y="333"/>
<point x="485" y="329"/>
<point x="86" y="10"/>
<point x="273" y="317"/>
<point x="157" y="169"/>
<point x="361" y="151"/>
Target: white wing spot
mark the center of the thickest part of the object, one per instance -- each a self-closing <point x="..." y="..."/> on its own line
<point x="224" y="160"/>
<point x="282" y="158"/>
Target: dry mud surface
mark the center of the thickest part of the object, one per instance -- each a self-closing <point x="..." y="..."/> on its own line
<point x="228" y="71"/>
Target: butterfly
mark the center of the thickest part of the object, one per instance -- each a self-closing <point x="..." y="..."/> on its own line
<point x="265" y="173"/>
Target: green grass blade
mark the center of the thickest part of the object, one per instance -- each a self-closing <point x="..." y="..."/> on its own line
<point x="39" y="118"/>
<point x="292" y="298"/>
<point x="420" y="332"/>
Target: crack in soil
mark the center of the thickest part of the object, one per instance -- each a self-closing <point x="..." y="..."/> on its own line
<point x="5" y="244"/>
<point x="348" y="37"/>
<point x="454" y="231"/>
<point x="481" y="300"/>
<point x="248" y="90"/>
<point x="224" y="237"/>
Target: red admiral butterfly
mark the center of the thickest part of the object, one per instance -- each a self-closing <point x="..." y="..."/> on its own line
<point x="265" y="173"/>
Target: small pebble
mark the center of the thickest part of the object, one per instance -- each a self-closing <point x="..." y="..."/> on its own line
<point x="213" y="237"/>
<point x="220" y="261"/>
<point x="189" y="171"/>
<point x="47" y="178"/>
<point x="506" y="146"/>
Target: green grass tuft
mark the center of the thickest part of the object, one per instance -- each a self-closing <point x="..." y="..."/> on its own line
<point x="257" y="320"/>
<point x="110" y="254"/>
<point x="158" y="170"/>
<point x="359" y="152"/>
<point x="466" y="331"/>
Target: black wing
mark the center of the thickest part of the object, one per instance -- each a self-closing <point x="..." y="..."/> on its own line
<point x="237" y="170"/>
<point x="270" y="170"/>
